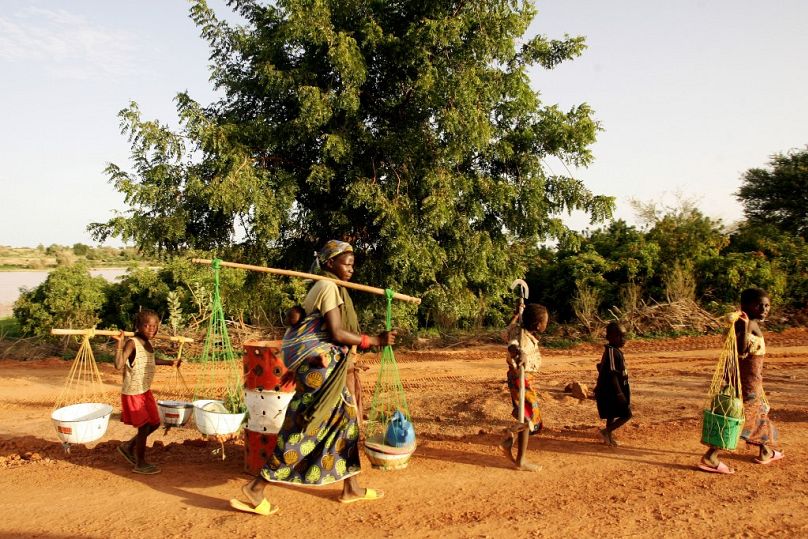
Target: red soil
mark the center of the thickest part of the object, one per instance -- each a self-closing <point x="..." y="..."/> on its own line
<point x="457" y="484"/>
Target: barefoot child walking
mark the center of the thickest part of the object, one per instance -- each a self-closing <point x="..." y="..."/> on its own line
<point x="612" y="391"/>
<point x="523" y="351"/>
<point x="758" y="430"/>
<point x="138" y="407"/>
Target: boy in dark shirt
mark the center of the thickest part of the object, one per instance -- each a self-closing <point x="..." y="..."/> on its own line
<point x="613" y="392"/>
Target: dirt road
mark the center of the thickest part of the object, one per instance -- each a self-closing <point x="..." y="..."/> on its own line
<point x="457" y="484"/>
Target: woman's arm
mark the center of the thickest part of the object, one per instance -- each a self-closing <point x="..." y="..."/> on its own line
<point x="339" y="335"/>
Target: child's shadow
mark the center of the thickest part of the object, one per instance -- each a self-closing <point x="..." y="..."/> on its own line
<point x="185" y="467"/>
<point x="462" y="457"/>
<point x="625" y="453"/>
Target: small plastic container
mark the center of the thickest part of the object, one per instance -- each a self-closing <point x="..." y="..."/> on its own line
<point x="81" y="423"/>
<point x="210" y="419"/>
<point x="721" y="431"/>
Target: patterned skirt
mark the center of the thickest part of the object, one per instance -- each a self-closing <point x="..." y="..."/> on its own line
<point x="758" y="429"/>
<point x="308" y="454"/>
<point x="532" y="412"/>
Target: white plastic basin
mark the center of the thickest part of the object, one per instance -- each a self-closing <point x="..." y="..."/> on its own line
<point x="215" y="422"/>
<point x="81" y="423"/>
<point x="388" y="461"/>
<point x="175" y="413"/>
<point x="266" y="409"/>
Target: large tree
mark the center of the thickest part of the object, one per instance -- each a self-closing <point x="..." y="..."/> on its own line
<point x="409" y="128"/>
<point x="779" y="194"/>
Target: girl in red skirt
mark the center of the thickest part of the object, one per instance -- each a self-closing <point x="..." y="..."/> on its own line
<point x="138" y="407"/>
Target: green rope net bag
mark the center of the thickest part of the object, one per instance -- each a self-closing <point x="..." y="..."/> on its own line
<point x="389" y="435"/>
<point x="219" y="392"/>
<point x="723" y="415"/>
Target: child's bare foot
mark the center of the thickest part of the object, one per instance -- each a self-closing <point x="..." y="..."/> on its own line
<point x="528" y="467"/>
<point x="606" y="436"/>
<point x="507" y="448"/>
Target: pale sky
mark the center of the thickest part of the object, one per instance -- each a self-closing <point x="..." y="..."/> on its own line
<point x="690" y="94"/>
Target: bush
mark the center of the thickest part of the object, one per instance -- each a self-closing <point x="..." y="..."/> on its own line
<point x="69" y="297"/>
<point x="140" y="288"/>
<point x="722" y="278"/>
<point x="788" y="252"/>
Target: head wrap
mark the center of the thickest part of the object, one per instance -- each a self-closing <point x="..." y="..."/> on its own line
<point x="331" y="249"/>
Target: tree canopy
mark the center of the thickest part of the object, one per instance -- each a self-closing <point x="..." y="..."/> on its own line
<point x="779" y="194"/>
<point x="408" y="128"/>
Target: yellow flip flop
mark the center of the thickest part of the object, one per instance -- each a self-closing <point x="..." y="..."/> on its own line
<point x="370" y="494"/>
<point x="264" y="508"/>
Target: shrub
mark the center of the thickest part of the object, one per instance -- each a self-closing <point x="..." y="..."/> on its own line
<point x="722" y="278"/>
<point x="69" y="297"/>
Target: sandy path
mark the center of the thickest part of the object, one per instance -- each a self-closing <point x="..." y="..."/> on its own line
<point x="457" y="484"/>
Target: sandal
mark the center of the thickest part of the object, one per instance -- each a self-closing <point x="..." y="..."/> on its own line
<point x="370" y="494"/>
<point x="777" y="455"/>
<point x="148" y="469"/>
<point x="721" y="468"/>
<point x="264" y="508"/>
<point x="126" y="454"/>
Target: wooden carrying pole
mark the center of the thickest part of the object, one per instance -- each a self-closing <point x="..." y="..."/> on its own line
<point x="292" y="273"/>
<point x="109" y="333"/>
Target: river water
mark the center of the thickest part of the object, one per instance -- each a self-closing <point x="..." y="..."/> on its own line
<point x="12" y="281"/>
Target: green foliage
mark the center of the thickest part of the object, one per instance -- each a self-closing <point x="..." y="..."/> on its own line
<point x="683" y="255"/>
<point x="140" y="288"/>
<point x="180" y="292"/>
<point x="409" y="129"/>
<point x="68" y="298"/>
<point x="722" y="278"/>
<point x="686" y="235"/>
<point x="176" y="319"/>
<point x="9" y="328"/>
<point x="79" y="249"/>
<point x="779" y="194"/>
<point x="786" y="251"/>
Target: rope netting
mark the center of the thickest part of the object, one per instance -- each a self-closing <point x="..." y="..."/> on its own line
<point x="220" y="372"/>
<point x="177" y="389"/>
<point x="83" y="382"/>
<point x="388" y="395"/>
<point x="723" y="411"/>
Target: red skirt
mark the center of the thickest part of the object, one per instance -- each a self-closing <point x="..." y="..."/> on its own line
<point x="138" y="410"/>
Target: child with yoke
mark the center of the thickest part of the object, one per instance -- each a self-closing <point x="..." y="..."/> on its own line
<point x="138" y="407"/>
<point x="612" y="391"/>
<point x="318" y="442"/>
<point x="523" y="350"/>
<point x="758" y="430"/>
